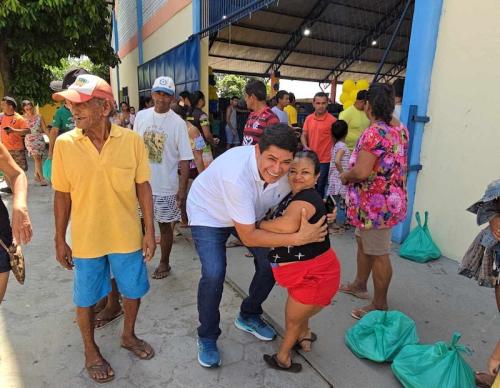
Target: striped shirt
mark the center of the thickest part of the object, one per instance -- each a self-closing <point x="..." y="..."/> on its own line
<point x="257" y="121"/>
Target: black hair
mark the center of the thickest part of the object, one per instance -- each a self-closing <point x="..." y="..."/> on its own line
<point x="126" y="103"/>
<point x="185" y="94"/>
<point x="281" y="94"/>
<point x="381" y="99"/>
<point x="279" y="135"/>
<point x="322" y="95"/>
<point x="362" y="95"/>
<point x="292" y="97"/>
<point x="399" y="86"/>
<point x="311" y="155"/>
<point x="180" y="110"/>
<point x="196" y="97"/>
<point x="339" y="129"/>
<point x="256" y="88"/>
<point x="233" y="97"/>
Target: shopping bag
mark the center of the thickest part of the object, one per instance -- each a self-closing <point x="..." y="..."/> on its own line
<point x="419" y="245"/>
<point x="380" y="335"/>
<point x="434" y="366"/>
<point x="47" y="169"/>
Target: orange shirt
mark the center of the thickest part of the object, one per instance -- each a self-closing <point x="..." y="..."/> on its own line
<point x="12" y="141"/>
<point x="318" y="130"/>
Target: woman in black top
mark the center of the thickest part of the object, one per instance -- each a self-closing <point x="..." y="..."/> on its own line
<point x="311" y="272"/>
<point x="21" y="225"/>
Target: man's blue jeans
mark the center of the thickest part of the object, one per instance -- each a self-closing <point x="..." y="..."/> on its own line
<point x="210" y="243"/>
<point x="324" y="168"/>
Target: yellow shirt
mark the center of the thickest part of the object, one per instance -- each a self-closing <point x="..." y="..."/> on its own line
<point x="292" y="114"/>
<point x="104" y="217"/>
<point x="357" y="122"/>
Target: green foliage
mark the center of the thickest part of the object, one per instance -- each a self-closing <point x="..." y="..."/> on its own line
<point x="66" y="64"/>
<point x="230" y="85"/>
<point x="37" y="34"/>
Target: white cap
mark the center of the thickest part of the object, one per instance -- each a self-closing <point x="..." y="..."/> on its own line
<point x="165" y="85"/>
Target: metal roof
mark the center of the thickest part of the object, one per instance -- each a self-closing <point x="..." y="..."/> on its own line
<point x="340" y="43"/>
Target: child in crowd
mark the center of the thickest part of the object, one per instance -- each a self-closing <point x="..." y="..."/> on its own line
<point x="338" y="164"/>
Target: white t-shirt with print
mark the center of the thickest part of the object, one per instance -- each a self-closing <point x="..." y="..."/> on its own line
<point x="282" y="115"/>
<point x="231" y="190"/>
<point x="166" y="138"/>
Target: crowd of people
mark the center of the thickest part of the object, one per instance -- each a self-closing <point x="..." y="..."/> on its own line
<point x="116" y="173"/>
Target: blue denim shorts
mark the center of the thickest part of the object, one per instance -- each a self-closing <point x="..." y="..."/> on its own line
<point x="92" y="277"/>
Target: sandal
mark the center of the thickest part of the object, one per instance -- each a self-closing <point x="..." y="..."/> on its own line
<point x="100" y="323"/>
<point x="362" y="311"/>
<point x="104" y="367"/>
<point x="311" y="339"/>
<point x="16" y="259"/>
<point x="161" y="274"/>
<point x="484" y="380"/>
<point x="347" y="289"/>
<point x="274" y="363"/>
<point x="141" y="347"/>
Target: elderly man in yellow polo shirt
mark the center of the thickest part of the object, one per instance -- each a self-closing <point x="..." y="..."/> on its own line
<point x="100" y="172"/>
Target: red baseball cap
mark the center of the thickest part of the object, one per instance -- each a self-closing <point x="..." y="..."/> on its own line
<point x="85" y="87"/>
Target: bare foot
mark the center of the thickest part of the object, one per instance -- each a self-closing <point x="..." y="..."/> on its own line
<point x="362" y="311"/>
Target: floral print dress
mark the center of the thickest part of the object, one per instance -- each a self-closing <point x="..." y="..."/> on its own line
<point x="34" y="142"/>
<point x="380" y="201"/>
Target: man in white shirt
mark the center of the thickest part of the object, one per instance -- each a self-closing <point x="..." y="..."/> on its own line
<point x="166" y="137"/>
<point x="229" y="197"/>
<point x="282" y="100"/>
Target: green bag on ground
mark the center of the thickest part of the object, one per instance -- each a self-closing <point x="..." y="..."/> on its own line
<point x="380" y="335"/>
<point x="434" y="366"/>
<point x="47" y="169"/>
<point x="419" y="245"/>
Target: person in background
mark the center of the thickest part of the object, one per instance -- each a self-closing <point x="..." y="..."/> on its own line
<point x="124" y="117"/>
<point x="282" y="100"/>
<point x="376" y="198"/>
<point x="317" y="136"/>
<point x="399" y="86"/>
<point x="12" y="129"/>
<point x="34" y="142"/>
<point x="232" y="138"/>
<point x="132" y="111"/>
<point x="261" y="116"/>
<point x="166" y="137"/>
<point x="100" y="173"/>
<point x="291" y="111"/>
<point x="356" y="119"/>
<point x="19" y="232"/>
<point x="200" y="119"/>
<point x="338" y="164"/>
<point x="310" y="272"/>
<point x="184" y="99"/>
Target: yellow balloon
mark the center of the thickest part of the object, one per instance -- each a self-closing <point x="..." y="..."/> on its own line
<point x="362" y="84"/>
<point x="348" y="85"/>
<point x="343" y="97"/>
<point x="348" y="103"/>
<point x="353" y="95"/>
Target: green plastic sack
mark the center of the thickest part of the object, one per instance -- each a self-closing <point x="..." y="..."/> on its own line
<point x="419" y="245"/>
<point x="434" y="366"/>
<point x="380" y="335"/>
<point x="47" y="169"/>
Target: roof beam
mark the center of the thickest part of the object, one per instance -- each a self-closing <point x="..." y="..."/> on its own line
<point x="394" y="71"/>
<point x="356" y="7"/>
<point x="296" y="36"/>
<point x="365" y="42"/>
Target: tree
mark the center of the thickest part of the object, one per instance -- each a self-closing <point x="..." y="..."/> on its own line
<point x="66" y="64"/>
<point x="37" y="34"/>
<point x="230" y="85"/>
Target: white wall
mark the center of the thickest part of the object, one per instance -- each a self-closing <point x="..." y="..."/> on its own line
<point x="461" y="145"/>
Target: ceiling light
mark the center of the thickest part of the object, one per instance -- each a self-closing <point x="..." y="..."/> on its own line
<point x="224" y="17"/>
<point x="307" y="31"/>
<point x="374" y="42"/>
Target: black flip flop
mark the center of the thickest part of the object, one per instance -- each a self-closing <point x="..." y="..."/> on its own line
<point x="312" y="339"/>
<point x="273" y="362"/>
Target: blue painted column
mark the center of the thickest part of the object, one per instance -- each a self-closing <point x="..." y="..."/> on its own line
<point x="138" y="7"/>
<point x="424" y="33"/>
<point x="117" y="48"/>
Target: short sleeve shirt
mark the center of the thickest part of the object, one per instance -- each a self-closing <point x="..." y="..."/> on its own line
<point x="357" y="122"/>
<point x="380" y="201"/>
<point x="292" y="114"/>
<point x="63" y="120"/>
<point x="318" y="130"/>
<point x="12" y="141"/>
<point x="281" y="114"/>
<point x="257" y="121"/>
<point x="167" y="141"/>
<point x="104" y="217"/>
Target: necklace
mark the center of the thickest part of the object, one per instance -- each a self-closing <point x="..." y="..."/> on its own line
<point x="161" y="123"/>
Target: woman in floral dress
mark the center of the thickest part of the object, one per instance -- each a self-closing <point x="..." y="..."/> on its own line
<point x="376" y="198"/>
<point x="34" y="142"/>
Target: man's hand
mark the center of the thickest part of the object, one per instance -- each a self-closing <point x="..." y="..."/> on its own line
<point x="343" y="178"/>
<point x="495" y="226"/>
<point x="311" y="233"/>
<point x="64" y="255"/>
<point x="148" y="246"/>
<point x="21" y="225"/>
